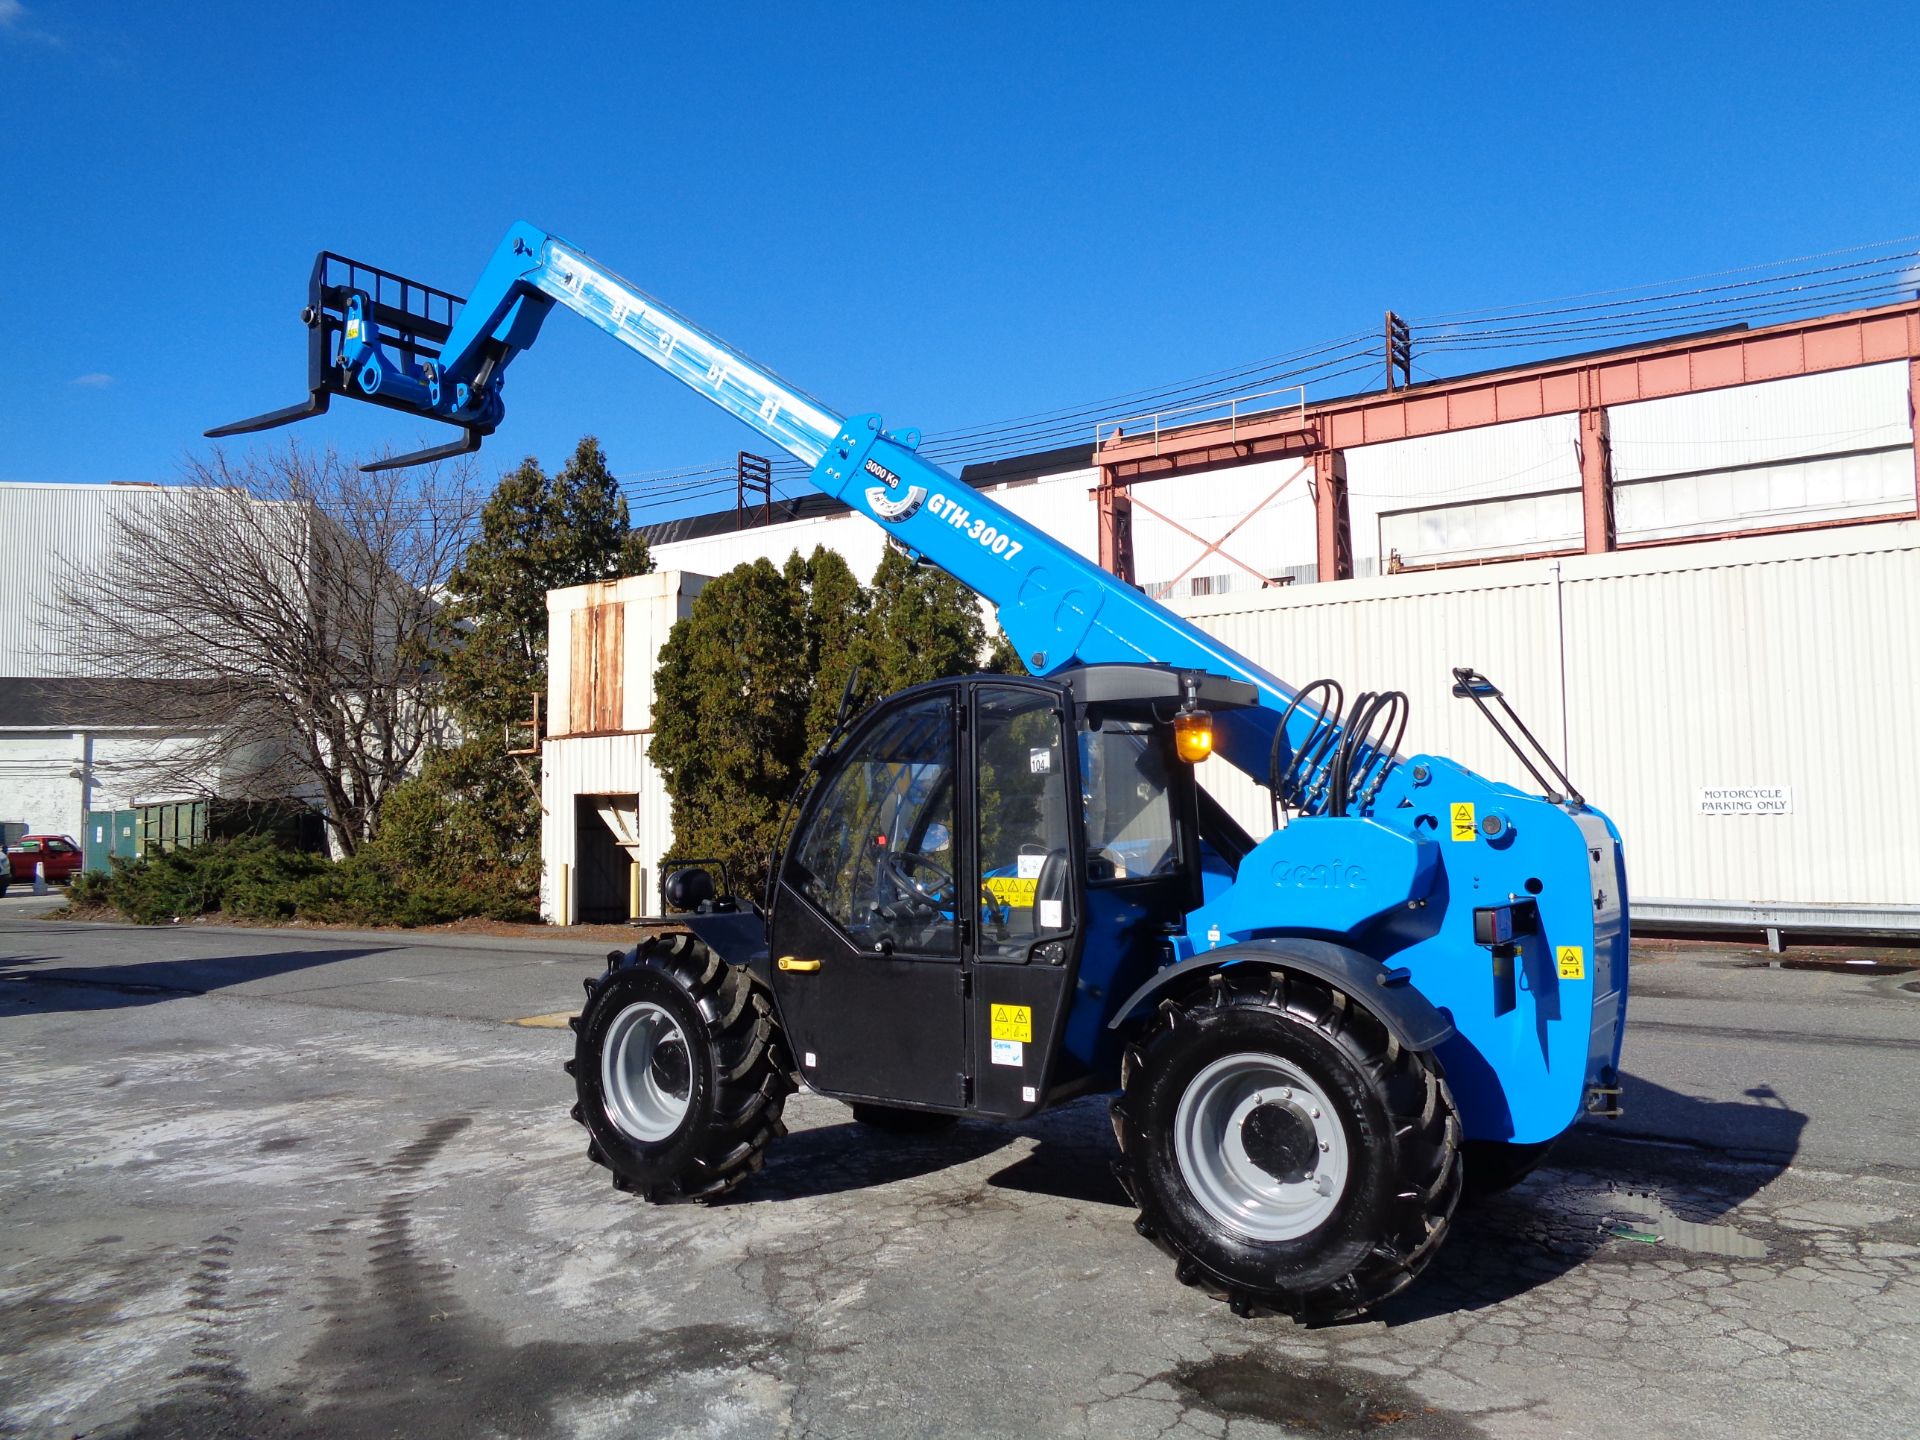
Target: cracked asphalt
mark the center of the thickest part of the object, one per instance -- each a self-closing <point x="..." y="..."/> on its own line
<point x="279" y="1184"/>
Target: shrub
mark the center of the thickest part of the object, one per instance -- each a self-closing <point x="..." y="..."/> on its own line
<point x="90" y="890"/>
<point x="462" y="837"/>
<point x="254" y="879"/>
<point x="156" y="888"/>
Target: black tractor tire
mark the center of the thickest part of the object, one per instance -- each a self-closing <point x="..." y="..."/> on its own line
<point x="893" y="1120"/>
<point x="1398" y="1144"/>
<point x="724" y="1060"/>
<point x="1495" y="1166"/>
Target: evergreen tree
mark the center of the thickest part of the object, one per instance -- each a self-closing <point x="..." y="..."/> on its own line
<point x="731" y="701"/>
<point x="921" y="623"/>
<point x="1002" y="658"/>
<point x="836" y="614"/>
<point x="467" y="827"/>
<point x="469" y="821"/>
<point x="536" y="534"/>
<point x="749" y="684"/>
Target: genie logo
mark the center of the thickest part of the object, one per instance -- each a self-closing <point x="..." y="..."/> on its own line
<point x="1328" y="875"/>
<point x="895" y="511"/>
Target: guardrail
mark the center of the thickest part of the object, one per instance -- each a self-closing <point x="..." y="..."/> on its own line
<point x="1234" y="411"/>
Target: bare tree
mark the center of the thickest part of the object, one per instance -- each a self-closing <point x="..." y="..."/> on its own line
<point x="276" y="617"/>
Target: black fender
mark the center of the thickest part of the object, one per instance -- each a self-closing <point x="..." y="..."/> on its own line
<point x="738" y="937"/>
<point x="1409" y="1016"/>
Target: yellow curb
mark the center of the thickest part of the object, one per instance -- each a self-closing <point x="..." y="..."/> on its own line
<point x="545" y="1022"/>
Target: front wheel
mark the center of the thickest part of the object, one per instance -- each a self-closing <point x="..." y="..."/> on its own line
<point x="680" y="1071"/>
<point x="1284" y="1148"/>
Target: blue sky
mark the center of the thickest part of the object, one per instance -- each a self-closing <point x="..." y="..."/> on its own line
<point x="949" y="214"/>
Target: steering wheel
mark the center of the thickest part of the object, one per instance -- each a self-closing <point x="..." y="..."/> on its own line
<point x="994" y="912"/>
<point x="900" y="865"/>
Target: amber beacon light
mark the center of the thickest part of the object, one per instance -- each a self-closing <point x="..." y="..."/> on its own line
<point x="1193" y="735"/>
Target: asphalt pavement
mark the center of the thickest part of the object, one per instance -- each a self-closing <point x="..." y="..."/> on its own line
<point x="296" y="1183"/>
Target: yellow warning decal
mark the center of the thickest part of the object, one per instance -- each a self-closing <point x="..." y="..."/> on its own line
<point x="353" y="329"/>
<point x="1573" y="962"/>
<point x="1463" y="826"/>
<point x="1013" y="1022"/>
<point x="1012" y="891"/>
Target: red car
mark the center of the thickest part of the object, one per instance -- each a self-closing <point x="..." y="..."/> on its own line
<point x="59" y="853"/>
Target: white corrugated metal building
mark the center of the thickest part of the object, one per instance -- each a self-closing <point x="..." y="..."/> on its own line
<point x="1755" y="629"/>
<point x="59" y="758"/>
<point x="1781" y="663"/>
<point x="605" y="808"/>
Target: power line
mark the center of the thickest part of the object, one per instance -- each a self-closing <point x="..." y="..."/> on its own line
<point x="1650" y="316"/>
<point x="1549" y="335"/>
<point x="1681" y="280"/>
<point x="971" y="443"/>
<point x="1101" y="409"/>
<point x="1886" y="264"/>
<point x="1764" y="290"/>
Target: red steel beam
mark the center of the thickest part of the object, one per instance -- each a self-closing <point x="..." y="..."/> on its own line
<point x="1913" y="422"/>
<point x="1557" y="387"/>
<point x="1596" y="479"/>
<point x="1333" y="537"/>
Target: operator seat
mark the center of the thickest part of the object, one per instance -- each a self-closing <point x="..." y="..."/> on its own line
<point x="1051" y="885"/>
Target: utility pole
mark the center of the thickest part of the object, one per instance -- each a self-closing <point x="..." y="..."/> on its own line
<point x="752" y="472"/>
<point x="1399" y="352"/>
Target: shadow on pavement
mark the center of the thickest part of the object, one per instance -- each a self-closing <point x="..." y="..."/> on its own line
<point x="106" y="987"/>
<point x="1072" y="1172"/>
<point x="1557" y="1219"/>
<point x="1072" y="1159"/>
<point x="834" y="1159"/>
<point x="1765" y="1127"/>
<point x="1501" y="1247"/>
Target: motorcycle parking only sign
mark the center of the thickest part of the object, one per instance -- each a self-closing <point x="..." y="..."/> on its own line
<point x="1746" y="800"/>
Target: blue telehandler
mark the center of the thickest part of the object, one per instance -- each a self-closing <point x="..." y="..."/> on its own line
<point x="1000" y="894"/>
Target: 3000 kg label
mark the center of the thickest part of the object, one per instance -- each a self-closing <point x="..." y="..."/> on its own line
<point x="945" y="508"/>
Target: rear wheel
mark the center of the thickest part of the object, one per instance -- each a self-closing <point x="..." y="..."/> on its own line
<point x="680" y="1071"/>
<point x="1284" y="1148"/>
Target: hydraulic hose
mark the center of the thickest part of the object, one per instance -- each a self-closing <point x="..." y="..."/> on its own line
<point x="1288" y="788"/>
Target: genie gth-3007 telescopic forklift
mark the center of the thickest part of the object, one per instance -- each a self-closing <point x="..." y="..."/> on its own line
<point x="1003" y="893"/>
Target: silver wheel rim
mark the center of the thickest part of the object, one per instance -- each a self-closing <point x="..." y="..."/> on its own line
<point x="646" y="1072"/>
<point x="1211" y="1135"/>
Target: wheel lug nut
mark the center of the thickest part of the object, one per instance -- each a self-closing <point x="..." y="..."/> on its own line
<point x="1286" y="1094"/>
<point x="1316" y="1114"/>
<point x="1326" y="1145"/>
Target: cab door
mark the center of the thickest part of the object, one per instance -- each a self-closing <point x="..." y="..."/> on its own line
<point x="1027" y="865"/>
<point x="868" y="950"/>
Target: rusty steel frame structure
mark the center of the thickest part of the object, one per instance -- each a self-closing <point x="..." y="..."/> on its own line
<point x="1578" y="385"/>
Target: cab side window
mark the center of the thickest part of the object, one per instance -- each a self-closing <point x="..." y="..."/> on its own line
<point x="1123" y="783"/>
<point x="1020" y="777"/>
<point x="878" y="855"/>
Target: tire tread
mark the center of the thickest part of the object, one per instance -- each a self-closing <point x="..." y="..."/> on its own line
<point x="745" y="1050"/>
<point x="1425" y="1136"/>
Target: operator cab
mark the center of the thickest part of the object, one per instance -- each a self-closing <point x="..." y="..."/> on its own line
<point x="958" y="846"/>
